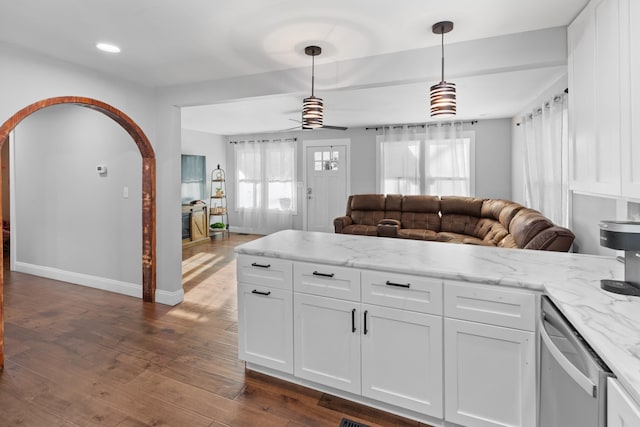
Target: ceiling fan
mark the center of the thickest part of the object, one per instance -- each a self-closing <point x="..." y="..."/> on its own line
<point x="312" y="107"/>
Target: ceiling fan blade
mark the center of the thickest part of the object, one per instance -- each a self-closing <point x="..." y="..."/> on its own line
<point x="334" y="127"/>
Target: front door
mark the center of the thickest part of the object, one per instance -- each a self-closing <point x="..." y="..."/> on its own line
<point x="326" y="182"/>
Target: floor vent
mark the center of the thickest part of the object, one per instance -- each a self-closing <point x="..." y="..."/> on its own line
<point x="350" y="423"/>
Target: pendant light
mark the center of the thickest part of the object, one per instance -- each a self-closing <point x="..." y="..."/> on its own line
<point x="443" y="94"/>
<point x="312" y="108"/>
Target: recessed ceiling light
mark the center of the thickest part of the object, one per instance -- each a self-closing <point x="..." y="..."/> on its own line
<point x="106" y="47"/>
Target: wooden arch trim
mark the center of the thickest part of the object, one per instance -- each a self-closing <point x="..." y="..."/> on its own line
<point x="148" y="188"/>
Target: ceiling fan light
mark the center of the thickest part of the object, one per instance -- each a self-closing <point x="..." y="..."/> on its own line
<point x="312" y="113"/>
<point x="443" y="99"/>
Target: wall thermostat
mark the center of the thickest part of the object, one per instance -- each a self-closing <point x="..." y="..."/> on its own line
<point x="101" y="169"/>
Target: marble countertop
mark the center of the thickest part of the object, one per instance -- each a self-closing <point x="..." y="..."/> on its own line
<point x="610" y="323"/>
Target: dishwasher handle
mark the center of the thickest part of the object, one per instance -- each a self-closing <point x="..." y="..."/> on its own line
<point x="581" y="379"/>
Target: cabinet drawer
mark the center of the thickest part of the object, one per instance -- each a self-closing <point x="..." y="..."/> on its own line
<point x="402" y="291"/>
<point x="490" y="305"/>
<point x="327" y="281"/>
<point x="264" y="271"/>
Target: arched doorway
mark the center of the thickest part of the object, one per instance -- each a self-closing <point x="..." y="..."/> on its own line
<point x="148" y="188"/>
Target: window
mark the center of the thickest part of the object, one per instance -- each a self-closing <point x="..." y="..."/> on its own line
<point x="265" y="173"/>
<point x="431" y="163"/>
<point x="193" y="178"/>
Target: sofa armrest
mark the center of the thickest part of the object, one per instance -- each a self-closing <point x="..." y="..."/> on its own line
<point x="388" y="227"/>
<point x="341" y="222"/>
<point x="554" y="238"/>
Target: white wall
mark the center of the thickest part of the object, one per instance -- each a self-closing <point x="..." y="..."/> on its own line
<point x="493" y="159"/>
<point x="213" y="147"/>
<point x="588" y="211"/>
<point x="71" y="220"/>
<point x="26" y="77"/>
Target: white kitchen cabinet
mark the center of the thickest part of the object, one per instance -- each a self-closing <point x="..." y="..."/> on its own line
<point x="595" y="98"/>
<point x="489" y="350"/>
<point x="630" y="88"/>
<point x="622" y="411"/>
<point x="327" y="341"/>
<point x="265" y="326"/>
<point x="402" y="358"/>
<point x="489" y="375"/>
<point x="265" y="312"/>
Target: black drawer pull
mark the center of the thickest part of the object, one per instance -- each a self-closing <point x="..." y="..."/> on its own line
<point x="315" y="273"/>
<point x="400" y="285"/>
<point x="353" y="320"/>
<point x="365" y="322"/>
<point x="255" y="264"/>
<point x="266" y="294"/>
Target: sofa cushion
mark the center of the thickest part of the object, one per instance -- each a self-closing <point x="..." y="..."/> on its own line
<point x="393" y="206"/>
<point x="508" y="242"/>
<point x="445" y="236"/>
<point x="363" y="230"/>
<point x="420" y="212"/>
<point x="417" y="234"/>
<point x="368" y="202"/>
<point x="490" y="231"/>
<point x="367" y="209"/>
<point x="526" y="225"/>
<point x="500" y="210"/>
<point x="460" y="205"/>
<point x="371" y="218"/>
<point x="462" y="224"/>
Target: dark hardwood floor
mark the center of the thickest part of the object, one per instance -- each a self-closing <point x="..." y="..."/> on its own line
<point x="76" y="356"/>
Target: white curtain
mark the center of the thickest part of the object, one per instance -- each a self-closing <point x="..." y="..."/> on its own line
<point x="265" y="199"/>
<point x="545" y="136"/>
<point x="448" y="160"/>
<point x="425" y="159"/>
<point x="399" y="160"/>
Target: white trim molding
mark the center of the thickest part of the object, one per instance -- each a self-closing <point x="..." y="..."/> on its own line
<point x="117" y="286"/>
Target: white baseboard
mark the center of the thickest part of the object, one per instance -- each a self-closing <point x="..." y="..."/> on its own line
<point x="169" y="298"/>
<point x="125" y="288"/>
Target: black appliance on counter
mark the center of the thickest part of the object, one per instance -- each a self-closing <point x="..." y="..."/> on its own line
<point x="623" y="235"/>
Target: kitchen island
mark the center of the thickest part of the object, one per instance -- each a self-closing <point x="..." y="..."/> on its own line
<point x="608" y="322"/>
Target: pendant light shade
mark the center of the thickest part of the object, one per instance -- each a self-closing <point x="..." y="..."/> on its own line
<point x="312" y="107"/>
<point x="443" y="95"/>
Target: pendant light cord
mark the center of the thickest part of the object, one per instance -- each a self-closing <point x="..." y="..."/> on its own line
<point x="313" y="72"/>
<point x="442" y="44"/>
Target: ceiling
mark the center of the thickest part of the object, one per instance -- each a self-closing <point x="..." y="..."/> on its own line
<point x="168" y="42"/>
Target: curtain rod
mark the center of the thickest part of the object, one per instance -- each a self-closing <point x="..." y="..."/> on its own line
<point x="547" y="104"/>
<point x="422" y="125"/>
<point x="263" y="140"/>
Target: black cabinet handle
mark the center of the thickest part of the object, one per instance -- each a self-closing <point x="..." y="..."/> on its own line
<point x="400" y="285"/>
<point x="365" y="321"/>
<point x="353" y="320"/>
<point x="266" y="294"/>
<point x="315" y="273"/>
<point x="255" y="264"/>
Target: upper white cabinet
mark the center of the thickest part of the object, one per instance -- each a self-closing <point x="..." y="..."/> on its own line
<point x="604" y="99"/>
<point x="622" y="411"/>
<point x="595" y="102"/>
<point x="630" y="28"/>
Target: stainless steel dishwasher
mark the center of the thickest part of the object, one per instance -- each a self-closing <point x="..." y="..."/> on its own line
<point x="572" y="377"/>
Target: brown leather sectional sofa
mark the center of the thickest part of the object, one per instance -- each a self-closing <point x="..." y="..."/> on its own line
<point x="455" y="219"/>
